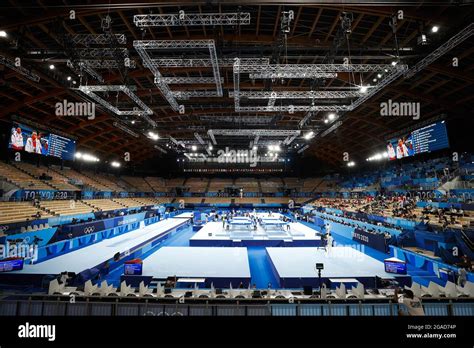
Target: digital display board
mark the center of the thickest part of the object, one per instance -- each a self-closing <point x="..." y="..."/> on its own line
<point x="426" y="139"/>
<point x="397" y="267"/>
<point x="11" y="265"/>
<point x="133" y="269"/>
<point x="26" y="138"/>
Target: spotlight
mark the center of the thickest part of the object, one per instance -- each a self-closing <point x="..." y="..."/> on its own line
<point x="326" y="120"/>
<point x="51" y="67"/>
<point x="153" y="135"/>
<point x="374" y="80"/>
<point x="363" y="89"/>
<point x="194" y="147"/>
<point x="394" y="63"/>
<point x="69" y="78"/>
<point x="133" y="122"/>
<point x="210" y="147"/>
<point x="331" y="116"/>
<point x="434" y="29"/>
<point x="115" y="164"/>
<point x="3" y="33"/>
<point x="379" y="75"/>
<point x="254" y="148"/>
<point x="308" y="136"/>
<point x="351" y="164"/>
<point x="73" y="82"/>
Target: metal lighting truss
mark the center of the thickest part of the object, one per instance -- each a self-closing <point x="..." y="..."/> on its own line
<point x="298" y="94"/>
<point x="19" y="69"/>
<point x="211" y="135"/>
<point x="191" y="19"/>
<point x="160" y="149"/>
<point x="162" y="86"/>
<point x="204" y="62"/>
<point x="143" y="45"/>
<point x="446" y="47"/>
<point x="251" y="120"/>
<point x="148" y="119"/>
<point x="295" y="108"/>
<point x="388" y="79"/>
<point x="106" y="64"/>
<point x="125" y="129"/>
<point x="290" y="139"/>
<point x="198" y="137"/>
<point x="176" y="142"/>
<point x="308" y="69"/>
<point x="187" y="80"/>
<point x="292" y="75"/>
<point x="96" y="39"/>
<point x="253" y="132"/>
<point x="255" y="141"/>
<point x="80" y="66"/>
<point x="330" y="129"/>
<point x="101" y="52"/>
<point x="90" y="92"/>
<point x="185" y="95"/>
<point x="271" y="100"/>
<point x="184" y="44"/>
<point x="236" y="73"/>
<point x="303" y="148"/>
<point x="306" y="118"/>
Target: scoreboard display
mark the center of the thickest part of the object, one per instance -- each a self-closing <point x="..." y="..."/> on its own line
<point x="426" y="139"/>
<point x="26" y="138"/>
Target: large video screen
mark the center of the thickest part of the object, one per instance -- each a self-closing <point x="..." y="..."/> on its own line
<point x="429" y="138"/>
<point x="26" y="138"/>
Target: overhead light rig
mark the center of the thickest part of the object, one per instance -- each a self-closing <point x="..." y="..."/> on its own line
<point x="191" y="19"/>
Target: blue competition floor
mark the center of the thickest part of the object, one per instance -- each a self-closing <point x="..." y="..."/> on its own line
<point x="260" y="268"/>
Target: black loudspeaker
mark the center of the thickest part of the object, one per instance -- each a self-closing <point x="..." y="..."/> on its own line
<point x="308" y="290"/>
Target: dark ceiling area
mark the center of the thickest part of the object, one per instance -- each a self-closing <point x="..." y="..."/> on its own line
<point x="263" y="81"/>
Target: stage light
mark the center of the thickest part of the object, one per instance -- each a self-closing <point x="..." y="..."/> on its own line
<point x="331" y="116"/>
<point x="351" y="164"/>
<point x="308" y="136"/>
<point x="394" y="63"/>
<point x="254" y="148"/>
<point x="115" y="164"/>
<point x="51" y="66"/>
<point x="73" y="82"/>
<point x="153" y="135"/>
<point x="379" y="75"/>
<point x="326" y="120"/>
<point x="210" y="147"/>
<point x="434" y="29"/>
<point x="78" y="155"/>
<point x="277" y="148"/>
<point x="386" y="70"/>
<point x="3" y="33"/>
<point x="374" y="80"/>
<point x="133" y="122"/>
<point x="363" y="89"/>
<point x="69" y="78"/>
<point x="194" y="147"/>
<point x="88" y="158"/>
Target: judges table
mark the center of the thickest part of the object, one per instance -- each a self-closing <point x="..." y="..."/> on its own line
<point x="374" y="240"/>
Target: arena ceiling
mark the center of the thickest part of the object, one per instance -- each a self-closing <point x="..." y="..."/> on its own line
<point x="42" y="33"/>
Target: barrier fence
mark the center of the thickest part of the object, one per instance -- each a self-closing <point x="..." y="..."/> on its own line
<point x="153" y="307"/>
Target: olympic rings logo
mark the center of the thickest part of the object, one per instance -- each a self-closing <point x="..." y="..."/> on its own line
<point x="88" y="230"/>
